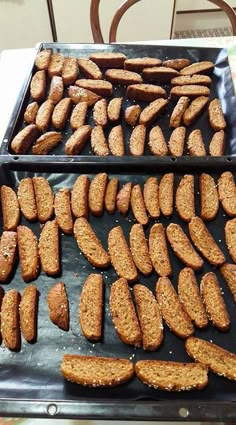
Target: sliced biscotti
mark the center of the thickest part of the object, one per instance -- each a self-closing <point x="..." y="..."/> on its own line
<point x="197" y="68"/>
<point x="184" y="198"/>
<point x="8" y="250"/>
<point x="114" y="109"/>
<point x="209" y="200"/>
<point x="49" y="250"/>
<point x="28" y="253"/>
<point x="151" y="197"/>
<point x="56" y="89"/>
<point x="120" y="254"/>
<point x="145" y="92"/>
<point x="195" y="144"/>
<point x="152" y="111"/>
<point x="89" y="68"/>
<point x="166" y="194"/>
<point x="178" y="64"/>
<point x="172" y="309"/>
<point x="204" y="242"/>
<point x="79" y="94"/>
<point x="139" y="249"/>
<point x="63" y="210"/>
<point x="97" y="191"/>
<point x="137" y="140"/>
<point x="10" y="320"/>
<point x="10" y="208"/>
<point x="171" y="376"/>
<point x="79" y="197"/>
<point x="24" y="139"/>
<point x="58" y="306"/>
<point x="158" y="250"/>
<point x="31" y="112"/>
<point x="43" y="58"/>
<point x="228" y="272"/>
<point x="111" y="193"/>
<point x="77" y="140"/>
<point x="99" y="87"/>
<point x="178" y="111"/>
<point x="29" y="312"/>
<point x="230" y="237"/>
<point x="44" y="198"/>
<point x="100" y="113"/>
<point x="132" y="114"/>
<point x="182" y="247"/>
<point x="216" y="116"/>
<point x="44" y="115"/>
<point x="61" y="113"/>
<point x="149" y="317"/>
<point x="218" y="360"/>
<point x="96" y="371"/>
<point x="123" y="198"/>
<point x="123" y="313"/>
<point x="123" y="77"/>
<point x="189" y="90"/>
<point x="47" y="142"/>
<point x="138" y="205"/>
<point x="69" y="70"/>
<point x="108" y="59"/>
<point x="116" y="141"/>
<point x="176" y="141"/>
<point x="78" y="115"/>
<point x="55" y="64"/>
<point x="227" y="193"/>
<point x="159" y="74"/>
<point x="157" y="142"/>
<point x="217" y="144"/>
<point x="90" y="307"/>
<point x="189" y="295"/>
<point x="182" y="80"/>
<point x="194" y="109"/>
<point x="38" y="86"/>
<point x="98" y="141"/>
<point x="137" y="64"/>
<point x="89" y="244"/>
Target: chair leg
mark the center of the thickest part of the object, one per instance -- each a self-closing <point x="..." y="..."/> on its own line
<point x="52" y="20"/>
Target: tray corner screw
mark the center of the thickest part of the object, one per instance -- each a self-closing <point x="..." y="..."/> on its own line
<point x="183" y="412"/>
<point x="52" y="409"/>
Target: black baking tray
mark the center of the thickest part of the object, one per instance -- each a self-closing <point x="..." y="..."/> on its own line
<point x="222" y="87"/>
<point x="30" y="381"/>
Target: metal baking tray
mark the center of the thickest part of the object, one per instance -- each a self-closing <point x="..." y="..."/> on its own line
<point x="30" y="381"/>
<point x="222" y="87"/>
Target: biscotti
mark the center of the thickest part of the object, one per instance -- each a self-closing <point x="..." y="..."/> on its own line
<point x="176" y="141"/>
<point x="116" y="141"/>
<point x="137" y="140"/>
<point x="110" y="196"/>
<point x="217" y="144"/>
<point x="10" y="321"/>
<point x="152" y="111"/>
<point x="44" y="198"/>
<point x="10" y="208"/>
<point x="90" y="307"/>
<point x="98" y="141"/>
<point x="97" y="191"/>
<point x="46" y="143"/>
<point x="8" y="250"/>
<point x="61" y="113"/>
<point x="58" y="306"/>
<point x="63" y="210"/>
<point x="146" y="92"/>
<point x="159" y="74"/>
<point x="139" y="249"/>
<point x="227" y="193"/>
<point x="108" y="59"/>
<point x="151" y="197"/>
<point x="77" y="140"/>
<point x="79" y="94"/>
<point x="79" y="197"/>
<point x="114" y="109"/>
<point x="123" y="198"/>
<point x="228" y="272"/>
<point x="56" y="89"/>
<point x="166" y="194"/>
<point x="209" y="200"/>
<point x="184" y="198"/>
<point x="123" y="77"/>
<point x="38" y="86"/>
<point x="43" y="58"/>
<point x="29" y="312"/>
<point x="24" y="139"/>
<point x="138" y="205"/>
<point x="158" y="250"/>
<point x="230" y="237"/>
<point x="178" y="111"/>
<point x="69" y="70"/>
<point x="195" y="144"/>
<point x="194" y="109"/>
<point x="216" y="116"/>
<point x="137" y="64"/>
<point x="100" y="87"/>
<point x="178" y="64"/>
<point x="89" y="68"/>
<point x="49" y="252"/>
<point x="191" y="90"/>
<point x="44" y="115"/>
<point x="100" y="113"/>
<point x="31" y="112"/>
<point x="157" y="143"/>
<point x="78" y="115"/>
<point x="28" y="253"/>
<point x="55" y="64"/>
<point x="200" y="67"/>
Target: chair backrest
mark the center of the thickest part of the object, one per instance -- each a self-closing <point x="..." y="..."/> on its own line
<point x="95" y="20"/>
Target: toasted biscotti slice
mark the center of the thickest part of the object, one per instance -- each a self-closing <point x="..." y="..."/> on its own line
<point x="47" y="142"/>
<point x="10" y="208"/>
<point x="172" y="376"/>
<point x="44" y="114"/>
<point x="137" y="64"/>
<point x="28" y="253"/>
<point x="178" y="111"/>
<point x="114" y="109"/>
<point x="24" y="139"/>
<point x="182" y="247"/>
<point x="49" y="251"/>
<point x="69" y="70"/>
<point x="228" y="272"/>
<point x="216" y="116"/>
<point x="100" y="87"/>
<point x="123" y="77"/>
<point x="56" y="89"/>
<point x="209" y="200"/>
<point x="172" y="309"/>
<point x="218" y="360"/>
<point x="90" y="307"/>
<point x="138" y="205"/>
<point x="166" y="194"/>
<point x="78" y="115"/>
<point x="63" y="210"/>
<point x="204" y="242"/>
<point x="184" y="198"/>
<point x="189" y="295"/>
<point x="31" y="112"/>
<point x="55" y="64"/>
<point x="29" y="313"/>
<point x="157" y="142"/>
<point x="89" y="244"/>
<point x="123" y="314"/>
<point x="79" y="94"/>
<point x="189" y="90"/>
<point x="214" y="302"/>
<point x="38" y="86"/>
<point x="42" y="59"/>
<point x="146" y="92"/>
<point x="194" y="109"/>
<point x="111" y="193"/>
<point x="230" y="237"/>
<point x="132" y="114"/>
<point x="227" y="193"/>
<point x="183" y="80"/>
<point x="151" y="197"/>
<point x="152" y="111"/>
<point x="58" y="306"/>
<point x="159" y="74"/>
<point x="89" y="69"/>
<point x="176" y="141"/>
<point x="123" y="198"/>
<point x="97" y="191"/>
<point x="77" y="140"/>
<point x="44" y="198"/>
<point x="195" y="144"/>
<point x="139" y="249"/>
<point x="8" y="250"/>
<point x="137" y="140"/>
<point x="158" y="250"/>
<point x="178" y="64"/>
<point x="197" y="68"/>
<point x="116" y="141"/>
<point x="98" y="141"/>
<point x="96" y="371"/>
<point x="149" y="317"/>
<point x="10" y="320"/>
<point x="61" y="113"/>
<point x="120" y="254"/>
<point x="217" y="144"/>
<point x="108" y="59"/>
<point x="79" y="197"/>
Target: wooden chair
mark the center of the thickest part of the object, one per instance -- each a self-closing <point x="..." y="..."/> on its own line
<point x="95" y="21"/>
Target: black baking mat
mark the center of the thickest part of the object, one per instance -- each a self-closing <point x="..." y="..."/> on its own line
<point x="221" y="87"/>
<point x="34" y="372"/>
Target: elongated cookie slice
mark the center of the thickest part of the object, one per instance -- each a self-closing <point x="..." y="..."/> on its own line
<point x="10" y="208"/>
<point x="89" y="69"/>
<point x="139" y="249"/>
<point x="10" y="321"/>
<point x="78" y="115"/>
<point x="195" y="144"/>
<point x="31" y="112"/>
<point x="79" y="94"/>
<point x="172" y="376"/>
<point x="151" y="197"/>
<point x="227" y="193"/>
<point x="216" y="116"/>
<point x="55" y="64"/>
<point x="230" y="237"/>
<point x="197" y="68"/>
<point x="159" y="74"/>
<point x="137" y="64"/>
<point x="108" y="59"/>
<point x="114" y="109"/>
<point x="178" y="111"/>
<point x="166" y="194"/>
<point x="158" y="250"/>
<point x="90" y="307"/>
<point x="98" y="141"/>
<point x="145" y="92"/>
<point x="8" y="250"/>
<point x="137" y="140"/>
<point x="189" y="295"/>
<point x="178" y="64"/>
<point x="38" y="86"/>
<point x="56" y="89"/>
<point x="217" y="144"/>
<point x="123" y="314"/>
<point x="120" y="254"/>
<point x="29" y="313"/>
<point x="69" y="70"/>
<point x="24" y="139"/>
<point x="26" y="199"/>
<point x="28" y="253"/>
<point x="194" y="109"/>
<point x="111" y="193"/>
<point x="44" y="198"/>
<point x="214" y="302"/>
<point x="204" y="242"/>
<point x="89" y="244"/>
<point x="184" y="198"/>
<point x="132" y="114"/>
<point x="42" y="59"/>
<point x="123" y="77"/>
<point x="47" y="142"/>
<point x="157" y="143"/>
<point x="138" y="205"/>
<point x="182" y="247"/>
<point x="49" y="251"/>
<point x="99" y="87"/>
<point x="182" y="80"/>
<point x="152" y="111"/>
<point x="189" y="90"/>
<point x="58" y="306"/>
<point x="96" y="371"/>
<point x="172" y="309"/>
<point x="77" y="140"/>
<point x="228" y="272"/>
<point x="97" y="191"/>
<point x="100" y="113"/>
<point x="61" y="113"/>
<point x="44" y="114"/>
<point x="218" y="360"/>
<point x="63" y="210"/>
<point x="149" y="317"/>
<point x="79" y="197"/>
<point x="116" y="141"/>
<point x="176" y="141"/>
<point x="209" y="200"/>
<point x="123" y="198"/>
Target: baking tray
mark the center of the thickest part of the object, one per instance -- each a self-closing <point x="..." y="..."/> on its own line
<point x="30" y="381"/>
<point x="222" y="87"/>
